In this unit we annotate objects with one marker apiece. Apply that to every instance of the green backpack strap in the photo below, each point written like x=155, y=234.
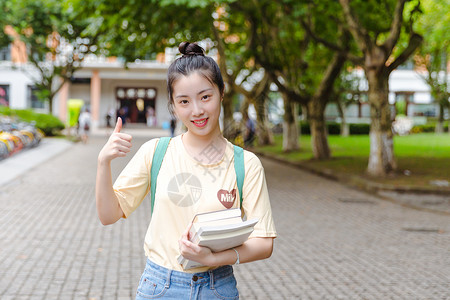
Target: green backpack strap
x=239, y=168
x=158, y=157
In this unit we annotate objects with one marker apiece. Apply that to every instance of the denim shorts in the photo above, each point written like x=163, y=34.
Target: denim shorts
x=158, y=282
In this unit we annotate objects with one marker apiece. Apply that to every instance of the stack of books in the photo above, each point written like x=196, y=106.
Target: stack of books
x=218, y=230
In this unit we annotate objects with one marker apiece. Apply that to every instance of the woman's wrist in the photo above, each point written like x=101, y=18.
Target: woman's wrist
x=102, y=161
x=226, y=257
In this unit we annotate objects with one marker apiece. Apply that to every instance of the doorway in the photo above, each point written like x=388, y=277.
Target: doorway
x=136, y=104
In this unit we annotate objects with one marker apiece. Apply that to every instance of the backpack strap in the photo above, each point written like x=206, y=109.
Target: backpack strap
x=158, y=157
x=239, y=168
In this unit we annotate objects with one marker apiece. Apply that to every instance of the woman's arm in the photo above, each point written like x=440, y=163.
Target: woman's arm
x=108, y=207
x=253, y=249
x=118, y=145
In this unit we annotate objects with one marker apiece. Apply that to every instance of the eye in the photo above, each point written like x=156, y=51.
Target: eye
x=206, y=97
x=183, y=101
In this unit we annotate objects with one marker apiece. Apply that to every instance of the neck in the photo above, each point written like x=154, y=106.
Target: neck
x=197, y=146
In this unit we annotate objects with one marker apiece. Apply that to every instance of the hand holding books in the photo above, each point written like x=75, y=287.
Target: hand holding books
x=215, y=231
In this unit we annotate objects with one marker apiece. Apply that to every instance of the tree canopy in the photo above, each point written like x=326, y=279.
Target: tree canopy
x=57, y=38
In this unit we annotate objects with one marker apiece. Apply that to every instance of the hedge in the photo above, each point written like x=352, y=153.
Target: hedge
x=355, y=129
x=335, y=128
x=427, y=128
x=49, y=124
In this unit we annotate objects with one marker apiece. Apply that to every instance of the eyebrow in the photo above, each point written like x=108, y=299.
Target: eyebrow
x=201, y=92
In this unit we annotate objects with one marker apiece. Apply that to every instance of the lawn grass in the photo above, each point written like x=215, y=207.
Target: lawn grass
x=421, y=158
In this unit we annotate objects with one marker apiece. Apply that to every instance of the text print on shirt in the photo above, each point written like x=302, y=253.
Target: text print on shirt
x=210, y=155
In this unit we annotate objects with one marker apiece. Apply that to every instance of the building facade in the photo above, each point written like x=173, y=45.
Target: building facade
x=103, y=85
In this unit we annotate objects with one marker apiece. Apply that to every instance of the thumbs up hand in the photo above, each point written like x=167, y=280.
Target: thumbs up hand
x=118, y=145
x=118, y=127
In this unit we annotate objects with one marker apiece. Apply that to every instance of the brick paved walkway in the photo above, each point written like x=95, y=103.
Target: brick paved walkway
x=334, y=242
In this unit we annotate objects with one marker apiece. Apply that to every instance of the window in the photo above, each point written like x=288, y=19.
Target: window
x=4, y=95
x=33, y=99
x=5, y=53
x=427, y=110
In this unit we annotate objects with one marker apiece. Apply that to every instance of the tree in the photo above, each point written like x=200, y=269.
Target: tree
x=279, y=46
x=5, y=39
x=258, y=95
x=56, y=38
x=303, y=70
x=434, y=53
x=346, y=92
x=376, y=28
x=142, y=29
x=318, y=18
x=233, y=48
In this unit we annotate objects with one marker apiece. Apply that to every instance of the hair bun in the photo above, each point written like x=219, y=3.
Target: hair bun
x=189, y=49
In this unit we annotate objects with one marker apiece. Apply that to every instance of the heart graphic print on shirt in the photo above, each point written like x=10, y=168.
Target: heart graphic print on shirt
x=227, y=198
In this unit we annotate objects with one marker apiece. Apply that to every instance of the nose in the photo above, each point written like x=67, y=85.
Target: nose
x=197, y=108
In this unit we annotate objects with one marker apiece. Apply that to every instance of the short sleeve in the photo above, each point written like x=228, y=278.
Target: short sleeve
x=256, y=203
x=133, y=183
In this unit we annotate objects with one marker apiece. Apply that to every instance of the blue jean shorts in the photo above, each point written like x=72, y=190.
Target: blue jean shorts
x=158, y=282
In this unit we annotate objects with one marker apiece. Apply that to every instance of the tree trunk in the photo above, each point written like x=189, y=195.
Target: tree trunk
x=290, y=125
x=50, y=106
x=381, y=159
x=345, y=128
x=228, y=121
x=319, y=141
x=440, y=124
x=263, y=132
x=316, y=107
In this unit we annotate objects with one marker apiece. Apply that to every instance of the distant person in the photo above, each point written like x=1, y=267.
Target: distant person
x=84, y=121
x=123, y=114
x=150, y=116
x=197, y=170
x=249, y=132
x=110, y=117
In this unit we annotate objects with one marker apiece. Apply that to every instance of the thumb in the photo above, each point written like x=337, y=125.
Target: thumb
x=118, y=125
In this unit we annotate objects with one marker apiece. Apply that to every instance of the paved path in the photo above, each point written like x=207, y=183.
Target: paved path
x=27, y=159
x=334, y=242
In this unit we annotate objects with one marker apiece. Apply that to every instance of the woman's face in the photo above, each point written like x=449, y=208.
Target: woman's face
x=197, y=104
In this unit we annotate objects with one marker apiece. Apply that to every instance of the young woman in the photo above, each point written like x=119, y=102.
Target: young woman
x=196, y=172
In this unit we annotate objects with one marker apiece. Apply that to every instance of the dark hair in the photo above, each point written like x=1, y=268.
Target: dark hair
x=193, y=59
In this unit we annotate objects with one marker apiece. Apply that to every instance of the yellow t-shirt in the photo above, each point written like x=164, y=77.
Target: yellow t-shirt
x=186, y=187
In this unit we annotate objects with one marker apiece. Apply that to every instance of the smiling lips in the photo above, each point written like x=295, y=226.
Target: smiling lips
x=201, y=122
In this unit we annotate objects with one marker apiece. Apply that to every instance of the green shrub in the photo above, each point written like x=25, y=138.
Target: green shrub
x=423, y=128
x=49, y=124
x=304, y=128
x=359, y=128
x=5, y=111
x=429, y=127
x=362, y=128
x=335, y=128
